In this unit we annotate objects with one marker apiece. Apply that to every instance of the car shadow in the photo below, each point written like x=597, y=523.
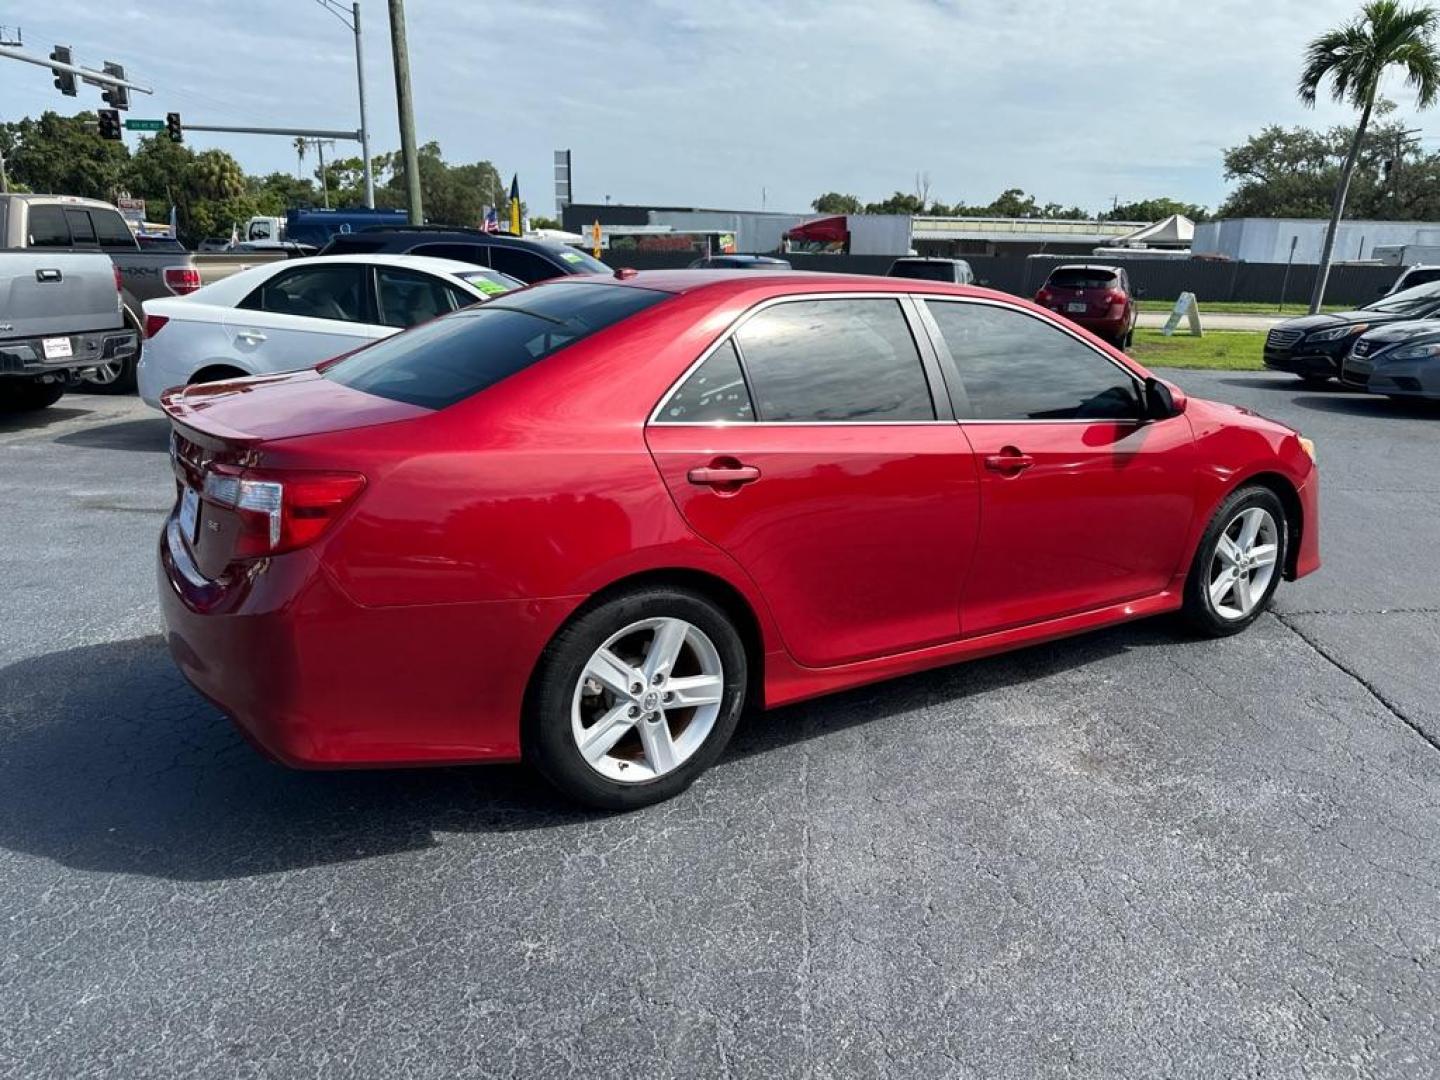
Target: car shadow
x=149, y=435
x=39, y=419
x=1372, y=406
x=110, y=762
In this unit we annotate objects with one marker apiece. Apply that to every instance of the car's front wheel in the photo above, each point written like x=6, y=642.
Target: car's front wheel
x=1239, y=563
x=635, y=698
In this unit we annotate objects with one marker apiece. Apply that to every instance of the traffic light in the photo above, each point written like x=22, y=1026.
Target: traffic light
x=109, y=124
x=64, y=80
x=173, y=128
x=117, y=97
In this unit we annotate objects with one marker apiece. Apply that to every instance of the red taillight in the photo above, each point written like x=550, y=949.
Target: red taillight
x=1044, y=296
x=182, y=280
x=1115, y=296
x=154, y=324
x=119, y=282
x=280, y=510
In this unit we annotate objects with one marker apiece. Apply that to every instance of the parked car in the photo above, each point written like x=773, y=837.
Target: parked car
x=583, y=525
x=1099, y=298
x=66, y=223
x=294, y=314
x=1401, y=360
x=740, y=262
x=526, y=260
x=955, y=271
x=1412, y=276
x=213, y=244
x=60, y=316
x=1313, y=346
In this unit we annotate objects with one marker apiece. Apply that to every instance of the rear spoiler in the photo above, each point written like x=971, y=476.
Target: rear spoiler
x=185, y=406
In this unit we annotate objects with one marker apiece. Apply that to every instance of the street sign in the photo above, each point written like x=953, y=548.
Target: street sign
x=144, y=125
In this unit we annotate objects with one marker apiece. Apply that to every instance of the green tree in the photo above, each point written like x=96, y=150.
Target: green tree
x=64, y=155
x=1156, y=210
x=279, y=191
x=899, y=203
x=453, y=194
x=832, y=202
x=1353, y=58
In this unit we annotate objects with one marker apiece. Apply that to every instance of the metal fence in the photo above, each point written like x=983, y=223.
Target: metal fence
x=1158, y=279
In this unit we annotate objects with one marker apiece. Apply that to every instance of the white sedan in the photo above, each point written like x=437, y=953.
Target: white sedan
x=296, y=313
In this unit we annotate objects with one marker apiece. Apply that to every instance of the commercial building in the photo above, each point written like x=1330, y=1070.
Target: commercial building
x=1271, y=240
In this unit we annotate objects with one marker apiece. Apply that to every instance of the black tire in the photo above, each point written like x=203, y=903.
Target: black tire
x=1199, y=610
x=18, y=396
x=547, y=740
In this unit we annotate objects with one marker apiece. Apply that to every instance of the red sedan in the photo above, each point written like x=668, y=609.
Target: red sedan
x=586, y=524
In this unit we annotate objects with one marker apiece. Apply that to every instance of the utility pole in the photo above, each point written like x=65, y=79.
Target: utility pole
x=352, y=23
x=1405, y=140
x=406, y=109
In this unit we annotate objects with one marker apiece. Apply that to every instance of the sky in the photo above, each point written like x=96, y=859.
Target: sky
x=731, y=103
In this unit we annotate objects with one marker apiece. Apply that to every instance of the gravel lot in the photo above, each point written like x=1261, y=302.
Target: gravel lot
x=1126, y=854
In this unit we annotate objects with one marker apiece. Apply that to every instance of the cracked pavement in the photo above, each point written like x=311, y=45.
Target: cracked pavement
x=1124, y=854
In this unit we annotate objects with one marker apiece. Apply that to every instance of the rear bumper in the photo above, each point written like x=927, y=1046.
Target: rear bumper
x=1101, y=326
x=315, y=680
x=26, y=356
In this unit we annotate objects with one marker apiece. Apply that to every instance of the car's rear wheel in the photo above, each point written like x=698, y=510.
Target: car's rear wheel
x=1239, y=563
x=635, y=698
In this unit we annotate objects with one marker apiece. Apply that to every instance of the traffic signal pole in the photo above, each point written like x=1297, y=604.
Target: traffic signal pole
x=97, y=78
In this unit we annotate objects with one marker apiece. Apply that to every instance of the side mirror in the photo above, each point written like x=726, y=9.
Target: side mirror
x=1162, y=401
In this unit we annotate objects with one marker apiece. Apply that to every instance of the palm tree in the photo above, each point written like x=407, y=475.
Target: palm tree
x=1353, y=58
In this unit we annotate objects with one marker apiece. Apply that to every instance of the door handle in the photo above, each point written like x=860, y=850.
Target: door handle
x=254, y=337
x=47, y=274
x=724, y=475
x=1009, y=461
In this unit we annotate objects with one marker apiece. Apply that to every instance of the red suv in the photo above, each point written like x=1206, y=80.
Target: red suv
x=1099, y=298
x=586, y=523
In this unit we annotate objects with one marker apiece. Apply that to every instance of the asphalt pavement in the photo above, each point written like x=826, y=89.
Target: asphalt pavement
x=1127, y=854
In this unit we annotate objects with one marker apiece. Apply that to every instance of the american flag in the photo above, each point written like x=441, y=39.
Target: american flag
x=491, y=223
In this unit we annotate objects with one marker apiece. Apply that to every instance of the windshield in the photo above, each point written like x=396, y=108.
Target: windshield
x=447, y=359
x=1420, y=298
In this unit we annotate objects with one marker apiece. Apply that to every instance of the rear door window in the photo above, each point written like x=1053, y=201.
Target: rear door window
x=48, y=227
x=314, y=292
x=112, y=232
x=525, y=265
x=479, y=254
x=449, y=359
x=715, y=392
x=825, y=361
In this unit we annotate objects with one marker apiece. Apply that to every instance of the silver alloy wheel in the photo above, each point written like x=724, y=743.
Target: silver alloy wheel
x=647, y=700
x=1244, y=563
x=105, y=374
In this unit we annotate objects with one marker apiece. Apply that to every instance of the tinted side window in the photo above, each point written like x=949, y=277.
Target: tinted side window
x=715, y=391
x=1017, y=367
x=111, y=230
x=825, y=360
x=525, y=265
x=48, y=227
x=408, y=297
x=471, y=253
x=316, y=292
x=81, y=231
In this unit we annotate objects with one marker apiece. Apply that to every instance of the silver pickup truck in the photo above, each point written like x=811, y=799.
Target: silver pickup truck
x=60, y=317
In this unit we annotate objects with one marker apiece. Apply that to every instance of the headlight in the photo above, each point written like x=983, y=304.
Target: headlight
x=1424, y=351
x=1339, y=332
x=1308, y=445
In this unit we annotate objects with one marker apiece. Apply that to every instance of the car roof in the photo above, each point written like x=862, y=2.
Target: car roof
x=781, y=281
x=927, y=258
x=1087, y=266
x=380, y=258
x=429, y=234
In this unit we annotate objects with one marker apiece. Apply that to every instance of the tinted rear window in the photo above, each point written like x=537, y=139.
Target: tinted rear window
x=924, y=271
x=1084, y=279
x=444, y=361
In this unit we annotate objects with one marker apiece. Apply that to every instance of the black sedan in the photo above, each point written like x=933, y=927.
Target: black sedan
x=1401, y=360
x=1314, y=346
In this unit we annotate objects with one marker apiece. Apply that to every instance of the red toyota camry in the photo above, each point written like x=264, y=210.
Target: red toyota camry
x=586, y=523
